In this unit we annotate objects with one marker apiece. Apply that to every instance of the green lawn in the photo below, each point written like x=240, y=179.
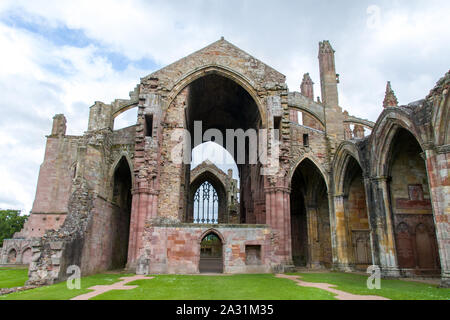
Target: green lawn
x=392, y=289
x=59, y=291
x=232, y=287
x=13, y=277
x=228, y=287
x=178, y=287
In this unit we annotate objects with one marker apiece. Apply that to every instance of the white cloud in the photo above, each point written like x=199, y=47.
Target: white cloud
x=39, y=78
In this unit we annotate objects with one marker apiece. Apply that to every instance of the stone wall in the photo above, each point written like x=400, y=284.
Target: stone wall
x=176, y=248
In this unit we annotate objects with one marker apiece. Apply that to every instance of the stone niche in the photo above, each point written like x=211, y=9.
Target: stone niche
x=252, y=254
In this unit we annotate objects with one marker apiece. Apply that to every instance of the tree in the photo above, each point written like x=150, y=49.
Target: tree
x=10, y=222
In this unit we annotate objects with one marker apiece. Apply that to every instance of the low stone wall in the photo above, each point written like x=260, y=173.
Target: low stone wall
x=16, y=252
x=176, y=249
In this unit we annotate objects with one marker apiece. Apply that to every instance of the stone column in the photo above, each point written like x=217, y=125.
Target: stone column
x=342, y=241
x=438, y=170
x=143, y=208
x=384, y=228
x=371, y=215
x=278, y=218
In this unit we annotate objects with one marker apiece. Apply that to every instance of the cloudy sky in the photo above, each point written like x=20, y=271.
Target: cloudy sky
x=61, y=56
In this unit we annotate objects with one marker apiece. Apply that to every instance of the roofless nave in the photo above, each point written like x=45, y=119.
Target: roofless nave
x=340, y=198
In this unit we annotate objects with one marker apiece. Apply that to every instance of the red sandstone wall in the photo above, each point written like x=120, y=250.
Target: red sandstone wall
x=55, y=176
x=100, y=249
x=177, y=250
x=37, y=224
x=311, y=122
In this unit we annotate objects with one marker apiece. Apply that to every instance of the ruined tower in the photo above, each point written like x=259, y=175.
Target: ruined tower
x=306, y=87
x=328, y=84
x=390, y=100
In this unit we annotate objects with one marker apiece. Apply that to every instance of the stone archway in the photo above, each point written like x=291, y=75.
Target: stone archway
x=211, y=254
x=26, y=255
x=356, y=216
x=222, y=185
x=120, y=218
x=12, y=256
x=412, y=215
x=221, y=105
x=310, y=224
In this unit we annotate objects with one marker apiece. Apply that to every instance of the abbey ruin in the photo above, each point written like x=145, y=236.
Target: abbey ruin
x=346, y=193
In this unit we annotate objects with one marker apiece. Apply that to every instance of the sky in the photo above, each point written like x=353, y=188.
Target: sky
x=61, y=56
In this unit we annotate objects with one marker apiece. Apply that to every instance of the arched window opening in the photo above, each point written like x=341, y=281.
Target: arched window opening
x=126, y=119
x=206, y=204
x=12, y=256
x=217, y=201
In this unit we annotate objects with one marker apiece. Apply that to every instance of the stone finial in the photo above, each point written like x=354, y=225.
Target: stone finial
x=390, y=100
x=347, y=132
x=325, y=47
x=306, y=87
x=59, y=125
x=358, y=131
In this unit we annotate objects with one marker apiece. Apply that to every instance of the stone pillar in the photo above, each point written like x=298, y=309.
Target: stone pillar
x=293, y=115
x=371, y=215
x=278, y=218
x=334, y=117
x=384, y=228
x=143, y=209
x=306, y=87
x=358, y=131
x=59, y=125
x=438, y=170
x=348, y=135
x=342, y=241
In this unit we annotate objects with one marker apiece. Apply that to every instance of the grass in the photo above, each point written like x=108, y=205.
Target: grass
x=232, y=287
x=229, y=287
x=11, y=277
x=183, y=287
x=59, y=291
x=392, y=289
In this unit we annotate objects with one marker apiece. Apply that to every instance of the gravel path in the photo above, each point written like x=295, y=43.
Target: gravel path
x=121, y=285
x=341, y=295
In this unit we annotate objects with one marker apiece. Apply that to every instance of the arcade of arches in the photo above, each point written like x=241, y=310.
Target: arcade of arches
x=317, y=196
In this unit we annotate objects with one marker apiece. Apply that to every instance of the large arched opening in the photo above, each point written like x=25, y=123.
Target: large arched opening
x=414, y=229
x=120, y=220
x=310, y=222
x=220, y=110
x=356, y=215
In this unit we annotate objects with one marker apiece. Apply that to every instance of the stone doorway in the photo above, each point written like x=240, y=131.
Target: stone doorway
x=120, y=221
x=211, y=257
x=310, y=224
x=414, y=229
